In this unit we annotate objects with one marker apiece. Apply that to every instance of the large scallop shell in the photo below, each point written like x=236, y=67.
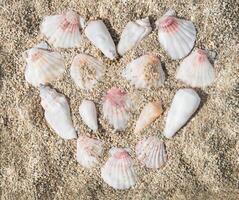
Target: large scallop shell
x=63, y=30
x=177, y=36
x=57, y=112
x=151, y=152
x=43, y=65
x=118, y=170
x=132, y=34
x=196, y=70
x=86, y=71
x=145, y=72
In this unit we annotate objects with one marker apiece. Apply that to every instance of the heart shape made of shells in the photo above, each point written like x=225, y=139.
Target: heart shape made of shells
x=176, y=36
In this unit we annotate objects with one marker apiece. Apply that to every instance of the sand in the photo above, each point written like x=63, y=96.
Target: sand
x=37, y=164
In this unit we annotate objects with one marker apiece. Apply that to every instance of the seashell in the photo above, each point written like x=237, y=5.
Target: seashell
x=196, y=70
x=99, y=36
x=88, y=114
x=177, y=36
x=88, y=151
x=151, y=152
x=63, y=30
x=185, y=103
x=57, y=112
x=132, y=34
x=145, y=72
x=86, y=71
x=116, y=105
x=118, y=171
x=43, y=66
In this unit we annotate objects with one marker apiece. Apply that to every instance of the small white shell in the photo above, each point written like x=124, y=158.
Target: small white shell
x=132, y=34
x=57, y=112
x=185, y=103
x=118, y=170
x=99, y=36
x=86, y=71
x=88, y=114
x=196, y=70
x=145, y=72
x=151, y=152
x=43, y=65
x=88, y=151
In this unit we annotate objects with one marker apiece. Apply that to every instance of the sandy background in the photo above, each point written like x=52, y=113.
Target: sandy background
x=37, y=164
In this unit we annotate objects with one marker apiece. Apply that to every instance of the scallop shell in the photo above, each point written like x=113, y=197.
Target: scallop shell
x=118, y=171
x=43, y=66
x=150, y=112
x=63, y=30
x=88, y=151
x=145, y=72
x=177, y=36
x=196, y=70
x=116, y=105
x=151, y=152
x=185, y=103
x=86, y=71
x=99, y=36
x=132, y=34
x=57, y=112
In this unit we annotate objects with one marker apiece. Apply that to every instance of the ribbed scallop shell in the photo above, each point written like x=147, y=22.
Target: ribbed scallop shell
x=145, y=72
x=151, y=152
x=118, y=171
x=86, y=71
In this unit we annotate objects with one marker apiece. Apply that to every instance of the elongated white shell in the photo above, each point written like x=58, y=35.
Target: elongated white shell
x=88, y=151
x=196, y=70
x=185, y=103
x=99, y=36
x=86, y=71
x=43, y=65
x=132, y=34
x=118, y=170
x=151, y=152
x=88, y=114
x=177, y=36
x=63, y=30
x=57, y=112
x=145, y=72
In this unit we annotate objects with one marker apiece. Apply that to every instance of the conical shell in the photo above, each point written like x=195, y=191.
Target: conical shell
x=185, y=103
x=132, y=34
x=86, y=71
x=88, y=151
x=43, y=65
x=196, y=70
x=151, y=152
x=99, y=36
x=57, y=112
x=145, y=72
x=88, y=114
x=150, y=112
x=176, y=36
x=118, y=170
x=63, y=30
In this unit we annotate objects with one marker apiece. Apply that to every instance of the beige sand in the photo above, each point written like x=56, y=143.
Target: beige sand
x=37, y=164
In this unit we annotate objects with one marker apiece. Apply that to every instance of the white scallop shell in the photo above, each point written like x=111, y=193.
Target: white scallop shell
x=86, y=71
x=145, y=72
x=57, y=112
x=118, y=170
x=88, y=151
x=43, y=66
x=99, y=36
x=184, y=104
x=132, y=34
x=196, y=70
x=151, y=152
